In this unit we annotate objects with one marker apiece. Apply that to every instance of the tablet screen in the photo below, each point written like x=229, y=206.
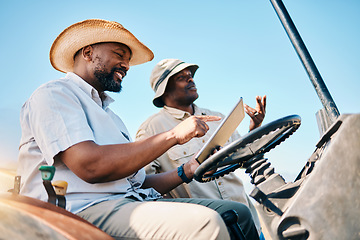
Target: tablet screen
x=223, y=132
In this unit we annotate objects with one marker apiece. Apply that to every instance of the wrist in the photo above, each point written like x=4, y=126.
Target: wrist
x=183, y=174
x=171, y=137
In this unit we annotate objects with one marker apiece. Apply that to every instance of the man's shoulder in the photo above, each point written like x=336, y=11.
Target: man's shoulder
x=52, y=90
x=156, y=123
x=52, y=85
x=154, y=118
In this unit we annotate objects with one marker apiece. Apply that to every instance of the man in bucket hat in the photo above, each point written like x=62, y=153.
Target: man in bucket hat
x=175, y=93
x=67, y=123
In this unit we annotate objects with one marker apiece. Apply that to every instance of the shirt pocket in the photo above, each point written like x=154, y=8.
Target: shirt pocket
x=183, y=153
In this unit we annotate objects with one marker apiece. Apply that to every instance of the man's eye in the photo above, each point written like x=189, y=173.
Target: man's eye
x=120, y=55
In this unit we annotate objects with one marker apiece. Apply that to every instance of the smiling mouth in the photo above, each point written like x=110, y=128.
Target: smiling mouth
x=120, y=75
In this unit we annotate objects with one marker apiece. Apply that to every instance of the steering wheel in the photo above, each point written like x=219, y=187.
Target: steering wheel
x=258, y=141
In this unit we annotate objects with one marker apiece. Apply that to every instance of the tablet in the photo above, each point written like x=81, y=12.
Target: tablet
x=223, y=132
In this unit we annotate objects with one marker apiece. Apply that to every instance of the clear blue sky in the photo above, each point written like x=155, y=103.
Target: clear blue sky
x=240, y=46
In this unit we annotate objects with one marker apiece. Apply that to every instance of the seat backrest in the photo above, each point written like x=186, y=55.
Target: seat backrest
x=8, y=179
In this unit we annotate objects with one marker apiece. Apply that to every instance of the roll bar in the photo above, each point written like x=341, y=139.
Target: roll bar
x=304, y=55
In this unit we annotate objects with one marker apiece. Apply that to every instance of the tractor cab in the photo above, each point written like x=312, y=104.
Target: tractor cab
x=323, y=202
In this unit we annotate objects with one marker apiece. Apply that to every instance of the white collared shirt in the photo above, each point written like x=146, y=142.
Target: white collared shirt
x=62, y=113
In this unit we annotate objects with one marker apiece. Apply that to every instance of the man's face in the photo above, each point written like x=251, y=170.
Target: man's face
x=111, y=64
x=181, y=88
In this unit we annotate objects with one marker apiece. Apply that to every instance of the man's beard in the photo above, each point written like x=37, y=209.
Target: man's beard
x=107, y=81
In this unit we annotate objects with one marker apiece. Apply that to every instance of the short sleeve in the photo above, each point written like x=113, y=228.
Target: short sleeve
x=57, y=120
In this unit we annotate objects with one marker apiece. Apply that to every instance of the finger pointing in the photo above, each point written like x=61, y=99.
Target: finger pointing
x=209, y=118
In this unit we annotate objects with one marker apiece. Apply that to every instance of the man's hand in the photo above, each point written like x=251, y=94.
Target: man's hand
x=257, y=115
x=194, y=126
x=191, y=166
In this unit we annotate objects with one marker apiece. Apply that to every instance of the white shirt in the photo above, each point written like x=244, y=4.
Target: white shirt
x=62, y=113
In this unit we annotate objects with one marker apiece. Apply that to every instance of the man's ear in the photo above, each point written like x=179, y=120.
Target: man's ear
x=164, y=97
x=87, y=52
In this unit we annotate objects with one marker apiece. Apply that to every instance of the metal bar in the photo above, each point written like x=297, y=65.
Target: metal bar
x=50, y=191
x=308, y=63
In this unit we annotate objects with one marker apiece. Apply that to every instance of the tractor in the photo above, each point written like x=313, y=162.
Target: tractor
x=323, y=202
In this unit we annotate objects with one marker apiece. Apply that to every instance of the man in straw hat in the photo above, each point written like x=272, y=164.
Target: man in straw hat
x=67, y=123
x=175, y=93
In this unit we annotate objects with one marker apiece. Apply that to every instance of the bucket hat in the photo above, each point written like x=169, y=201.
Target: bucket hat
x=161, y=73
x=92, y=31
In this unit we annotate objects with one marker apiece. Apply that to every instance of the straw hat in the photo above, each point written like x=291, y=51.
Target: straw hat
x=93, y=31
x=162, y=72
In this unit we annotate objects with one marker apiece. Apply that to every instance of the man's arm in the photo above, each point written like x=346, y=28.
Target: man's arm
x=146, y=131
x=165, y=182
x=103, y=163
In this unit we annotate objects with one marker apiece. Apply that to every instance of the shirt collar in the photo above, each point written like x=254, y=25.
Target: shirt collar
x=180, y=114
x=103, y=101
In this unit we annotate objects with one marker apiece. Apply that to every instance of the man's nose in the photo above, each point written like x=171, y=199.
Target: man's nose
x=125, y=65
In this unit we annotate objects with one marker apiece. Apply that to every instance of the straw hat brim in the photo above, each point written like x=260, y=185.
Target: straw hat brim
x=93, y=31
